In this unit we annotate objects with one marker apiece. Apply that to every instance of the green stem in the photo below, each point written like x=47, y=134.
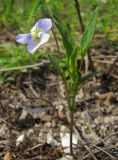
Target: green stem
x=71, y=110
x=62, y=75
x=71, y=132
x=81, y=63
x=70, y=100
x=77, y=6
x=57, y=44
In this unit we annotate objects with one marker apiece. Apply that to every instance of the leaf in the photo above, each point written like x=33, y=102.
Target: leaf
x=8, y=156
x=87, y=77
x=88, y=34
x=74, y=58
x=72, y=68
x=66, y=38
x=8, y=6
x=29, y=11
x=55, y=62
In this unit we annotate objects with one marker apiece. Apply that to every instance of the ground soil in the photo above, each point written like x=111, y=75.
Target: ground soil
x=33, y=105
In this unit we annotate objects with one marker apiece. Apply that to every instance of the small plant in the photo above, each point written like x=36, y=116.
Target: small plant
x=67, y=67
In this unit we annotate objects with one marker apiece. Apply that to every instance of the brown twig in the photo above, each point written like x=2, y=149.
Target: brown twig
x=24, y=67
x=111, y=156
x=87, y=156
x=43, y=99
x=35, y=147
x=80, y=137
x=104, y=61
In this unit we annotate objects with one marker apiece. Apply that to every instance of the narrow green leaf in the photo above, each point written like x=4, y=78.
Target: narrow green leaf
x=55, y=62
x=74, y=58
x=87, y=77
x=88, y=34
x=8, y=6
x=30, y=10
x=66, y=38
x=73, y=65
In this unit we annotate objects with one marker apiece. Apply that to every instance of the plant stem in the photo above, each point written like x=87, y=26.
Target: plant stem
x=88, y=57
x=77, y=6
x=70, y=100
x=57, y=44
x=71, y=132
x=62, y=75
x=71, y=109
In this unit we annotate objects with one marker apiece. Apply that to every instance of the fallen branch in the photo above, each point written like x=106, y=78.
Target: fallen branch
x=24, y=67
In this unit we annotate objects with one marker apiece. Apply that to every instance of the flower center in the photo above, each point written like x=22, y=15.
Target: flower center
x=36, y=33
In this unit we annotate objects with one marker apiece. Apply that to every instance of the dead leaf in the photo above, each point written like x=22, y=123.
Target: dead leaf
x=8, y=156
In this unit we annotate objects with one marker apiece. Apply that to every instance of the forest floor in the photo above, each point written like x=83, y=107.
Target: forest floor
x=33, y=113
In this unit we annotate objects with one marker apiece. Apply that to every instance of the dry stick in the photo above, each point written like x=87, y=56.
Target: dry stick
x=88, y=57
x=95, y=152
x=88, y=155
x=101, y=140
x=34, y=158
x=111, y=156
x=35, y=147
x=80, y=137
x=24, y=67
x=94, y=146
x=105, y=61
x=112, y=66
x=85, y=145
x=42, y=99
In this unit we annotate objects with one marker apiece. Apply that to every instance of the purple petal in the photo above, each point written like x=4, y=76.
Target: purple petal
x=23, y=38
x=33, y=45
x=43, y=24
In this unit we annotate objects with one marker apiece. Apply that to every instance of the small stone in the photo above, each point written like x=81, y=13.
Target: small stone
x=36, y=112
x=65, y=137
x=48, y=124
x=61, y=114
x=50, y=137
x=4, y=131
x=30, y=133
x=80, y=94
x=66, y=157
x=20, y=139
x=23, y=115
x=96, y=121
x=46, y=118
x=67, y=150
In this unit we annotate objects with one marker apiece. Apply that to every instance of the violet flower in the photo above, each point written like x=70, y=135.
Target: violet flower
x=38, y=35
